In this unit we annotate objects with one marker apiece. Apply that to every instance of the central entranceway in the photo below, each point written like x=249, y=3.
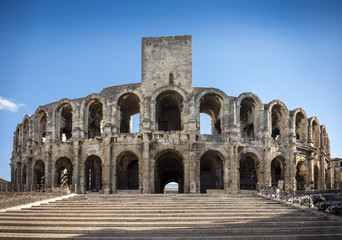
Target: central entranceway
x=169, y=168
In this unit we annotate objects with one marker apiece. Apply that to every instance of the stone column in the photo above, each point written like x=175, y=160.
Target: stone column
x=146, y=165
x=107, y=166
x=77, y=168
x=192, y=167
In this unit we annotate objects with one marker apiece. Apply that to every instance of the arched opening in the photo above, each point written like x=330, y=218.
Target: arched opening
x=278, y=122
x=24, y=175
x=315, y=134
x=95, y=119
x=63, y=172
x=65, y=122
x=316, y=177
x=39, y=173
x=211, y=171
x=169, y=168
x=211, y=104
x=301, y=127
x=205, y=121
x=248, y=117
x=324, y=137
x=168, y=111
x=248, y=173
x=171, y=188
x=127, y=171
x=26, y=130
x=93, y=173
x=301, y=176
x=277, y=170
x=42, y=128
x=17, y=141
x=129, y=105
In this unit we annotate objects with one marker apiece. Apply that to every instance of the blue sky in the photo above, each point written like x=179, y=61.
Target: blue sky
x=287, y=50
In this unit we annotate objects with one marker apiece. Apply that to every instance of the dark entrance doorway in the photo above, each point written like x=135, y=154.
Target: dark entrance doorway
x=93, y=173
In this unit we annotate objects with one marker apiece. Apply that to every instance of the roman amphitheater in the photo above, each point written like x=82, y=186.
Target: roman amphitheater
x=89, y=144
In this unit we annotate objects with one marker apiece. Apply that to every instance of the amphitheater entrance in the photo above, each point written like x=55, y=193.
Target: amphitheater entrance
x=127, y=171
x=248, y=174
x=211, y=171
x=301, y=176
x=39, y=173
x=63, y=172
x=93, y=173
x=169, y=168
x=277, y=170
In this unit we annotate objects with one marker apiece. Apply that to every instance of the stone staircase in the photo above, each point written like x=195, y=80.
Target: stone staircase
x=182, y=216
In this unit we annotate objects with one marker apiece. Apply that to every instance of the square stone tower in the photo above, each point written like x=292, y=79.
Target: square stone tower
x=166, y=60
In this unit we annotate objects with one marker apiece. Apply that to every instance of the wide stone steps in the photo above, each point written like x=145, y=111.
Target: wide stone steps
x=166, y=217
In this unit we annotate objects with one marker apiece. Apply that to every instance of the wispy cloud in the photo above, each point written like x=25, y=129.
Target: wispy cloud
x=6, y=104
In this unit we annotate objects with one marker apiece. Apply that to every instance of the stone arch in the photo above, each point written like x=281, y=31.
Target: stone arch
x=278, y=115
x=26, y=131
x=211, y=171
x=41, y=123
x=212, y=104
x=169, y=111
x=324, y=137
x=17, y=139
x=301, y=176
x=129, y=105
x=300, y=124
x=248, y=110
x=248, y=170
x=63, y=172
x=127, y=170
x=315, y=132
x=64, y=120
x=93, y=173
x=39, y=172
x=93, y=117
x=278, y=166
x=169, y=167
x=24, y=174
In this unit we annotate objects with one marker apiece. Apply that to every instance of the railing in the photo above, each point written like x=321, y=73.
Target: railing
x=324, y=200
x=34, y=188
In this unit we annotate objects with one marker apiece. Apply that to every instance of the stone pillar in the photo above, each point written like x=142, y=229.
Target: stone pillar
x=77, y=168
x=147, y=186
x=107, y=166
x=192, y=167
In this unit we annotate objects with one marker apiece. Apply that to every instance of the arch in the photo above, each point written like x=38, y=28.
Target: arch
x=211, y=171
x=64, y=121
x=129, y=105
x=300, y=125
x=212, y=105
x=248, y=115
x=169, y=167
x=127, y=170
x=324, y=137
x=39, y=172
x=169, y=108
x=17, y=139
x=278, y=166
x=26, y=131
x=248, y=171
x=278, y=116
x=315, y=132
x=301, y=176
x=94, y=118
x=93, y=173
x=63, y=172
x=24, y=174
x=41, y=126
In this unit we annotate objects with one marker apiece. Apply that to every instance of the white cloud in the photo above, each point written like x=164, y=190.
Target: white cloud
x=6, y=104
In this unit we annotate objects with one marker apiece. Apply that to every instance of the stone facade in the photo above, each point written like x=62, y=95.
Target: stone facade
x=88, y=142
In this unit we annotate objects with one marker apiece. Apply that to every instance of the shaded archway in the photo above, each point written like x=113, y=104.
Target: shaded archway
x=277, y=170
x=39, y=172
x=315, y=134
x=248, y=172
x=93, y=173
x=169, y=168
x=301, y=176
x=129, y=105
x=127, y=171
x=248, y=118
x=211, y=171
x=42, y=120
x=23, y=180
x=64, y=121
x=95, y=119
x=169, y=109
x=63, y=172
x=26, y=130
x=316, y=177
x=301, y=127
x=278, y=122
x=211, y=104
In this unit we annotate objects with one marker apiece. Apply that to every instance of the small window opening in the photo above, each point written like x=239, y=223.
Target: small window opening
x=135, y=123
x=171, y=78
x=205, y=123
x=171, y=188
x=276, y=133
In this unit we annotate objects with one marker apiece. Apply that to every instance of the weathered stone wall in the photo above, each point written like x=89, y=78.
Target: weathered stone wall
x=89, y=143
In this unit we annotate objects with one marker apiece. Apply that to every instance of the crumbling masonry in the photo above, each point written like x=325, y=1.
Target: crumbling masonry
x=88, y=142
